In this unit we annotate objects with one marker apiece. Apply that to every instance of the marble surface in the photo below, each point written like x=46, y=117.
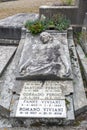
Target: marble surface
x=6, y=53
x=45, y=61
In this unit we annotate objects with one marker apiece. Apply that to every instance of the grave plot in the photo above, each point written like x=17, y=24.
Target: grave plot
x=31, y=90
x=38, y=98
x=43, y=98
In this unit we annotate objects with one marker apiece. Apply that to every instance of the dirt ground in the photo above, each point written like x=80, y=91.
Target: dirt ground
x=22, y=6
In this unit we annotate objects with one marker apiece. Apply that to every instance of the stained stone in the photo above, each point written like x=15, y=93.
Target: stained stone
x=85, y=20
x=18, y=20
x=41, y=97
x=80, y=101
x=83, y=39
x=6, y=53
x=83, y=60
x=37, y=101
x=4, y=122
x=59, y=87
x=49, y=91
x=45, y=61
x=8, y=42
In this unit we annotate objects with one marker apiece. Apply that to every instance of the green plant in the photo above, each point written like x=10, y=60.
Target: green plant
x=77, y=36
x=67, y=2
x=49, y=24
x=86, y=56
x=58, y=22
x=61, y=22
x=35, y=27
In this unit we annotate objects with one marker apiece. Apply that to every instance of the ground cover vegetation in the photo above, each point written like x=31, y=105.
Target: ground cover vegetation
x=57, y=22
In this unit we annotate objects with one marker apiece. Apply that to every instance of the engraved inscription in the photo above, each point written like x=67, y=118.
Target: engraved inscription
x=34, y=90
x=41, y=100
x=41, y=108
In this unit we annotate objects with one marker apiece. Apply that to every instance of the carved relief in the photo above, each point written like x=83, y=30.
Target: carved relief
x=49, y=59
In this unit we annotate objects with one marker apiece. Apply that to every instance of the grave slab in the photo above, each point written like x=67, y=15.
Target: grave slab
x=70, y=111
x=7, y=81
x=48, y=61
x=49, y=90
x=37, y=101
x=59, y=90
x=6, y=53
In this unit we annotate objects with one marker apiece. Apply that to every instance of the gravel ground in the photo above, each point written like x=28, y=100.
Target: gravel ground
x=23, y=6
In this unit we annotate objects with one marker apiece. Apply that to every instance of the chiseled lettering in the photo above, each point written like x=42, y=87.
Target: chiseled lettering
x=29, y=109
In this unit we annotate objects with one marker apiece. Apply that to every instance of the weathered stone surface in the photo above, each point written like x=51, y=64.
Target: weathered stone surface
x=11, y=33
x=6, y=85
x=85, y=19
x=7, y=82
x=83, y=60
x=10, y=28
x=41, y=109
x=9, y=42
x=41, y=101
x=70, y=107
x=65, y=87
x=79, y=96
x=49, y=128
x=83, y=39
x=4, y=122
x=6, y=53
x=17, y=20
x=46, y=37
x=45, y=61
x=67, y=11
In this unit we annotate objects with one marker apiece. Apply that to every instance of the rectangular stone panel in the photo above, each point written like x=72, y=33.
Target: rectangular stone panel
x=10, y=33
x=41, y=108
x=47, y=61
x=45, y=101
x=6, y=53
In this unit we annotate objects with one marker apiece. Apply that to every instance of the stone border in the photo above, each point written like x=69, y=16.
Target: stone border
x=75, y=13
x=67, y=11
x=83, y=60
x=11, y=33
x=80, y=100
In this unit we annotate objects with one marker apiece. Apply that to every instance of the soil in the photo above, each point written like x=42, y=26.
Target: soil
x=23, y=6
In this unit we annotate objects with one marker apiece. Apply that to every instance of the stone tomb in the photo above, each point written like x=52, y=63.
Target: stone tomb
x=47, y=63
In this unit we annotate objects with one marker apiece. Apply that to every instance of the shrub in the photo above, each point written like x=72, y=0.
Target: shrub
x=35, y=27
x=61, y=22
x=67, y=2
x=58, y=22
